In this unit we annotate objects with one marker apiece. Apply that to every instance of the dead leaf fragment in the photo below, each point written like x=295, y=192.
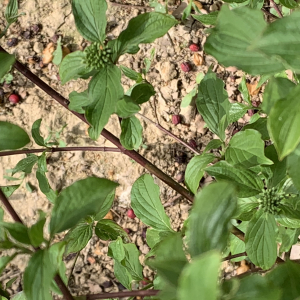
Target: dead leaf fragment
x=243, y=268
x=109, y=216
x=65, y=51
x=48, y=53
x=198, y=4
x=91, y=260
x=198, y=59
x=253, y=91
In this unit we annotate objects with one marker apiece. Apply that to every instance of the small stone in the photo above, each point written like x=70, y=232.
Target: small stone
x=167, y=71
x=38, y=47
x=26, y=34
x=193, y=143
x=35, y=28
x=176, y=119
x=12, y=42
x=179, y=177
x=107, y=284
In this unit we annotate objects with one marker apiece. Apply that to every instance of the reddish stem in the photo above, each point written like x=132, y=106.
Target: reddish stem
x=276, y=8
x=141, y=293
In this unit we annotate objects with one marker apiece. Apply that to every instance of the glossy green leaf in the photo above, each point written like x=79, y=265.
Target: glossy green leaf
x=287, y=221
x=195, y=170
x=18, y=231
x=209, y=220
x=19, y=296
x=236, y=246
x=199, y=279
x=25, y=165
x=6, y=62
x=132, y=133
x=276, y=89
x=38, y=276
x=245, y=208
x=286, y=277
x=106, y=206
x=4, y=261
x=9, y=190
x=169, y=259
x=122, y=275
x=257, y=287
x=109, y=230
x=11, y=12
x=213, y=144
x=82, y=198
x=105, y=90
x=289, y=3
x=187, y=99
x=246, y=181
x=231, y=43
x=78, y=101
x=256, y=4
x=293, y=170
x=90, y=18
x=142, y=92
x=146, y=204
x=289, y=237
x=131, y=74
x=35, y=131
x=213, y=104
x=237, y=111
x=246, y=150
x=260, y=239
x=284, y=123
x=145, y=28
x=127, y=107
x=36, y=233
x=78, y=237
x=154, y=236
x=12, y=136
x=73, y=67
x=261, y=126
x=209, y=19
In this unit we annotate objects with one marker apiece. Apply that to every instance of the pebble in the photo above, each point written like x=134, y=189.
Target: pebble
x=38, y=47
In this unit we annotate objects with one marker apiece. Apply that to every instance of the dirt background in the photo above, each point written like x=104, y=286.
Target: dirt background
x=42, y=22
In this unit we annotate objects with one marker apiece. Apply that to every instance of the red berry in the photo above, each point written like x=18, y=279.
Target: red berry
x=250, y=112
x=145, y=281
x=186, y=67
x=176, y=119
x=194, y=47
x=130, y=213
x=193, y=143
x=13, y=98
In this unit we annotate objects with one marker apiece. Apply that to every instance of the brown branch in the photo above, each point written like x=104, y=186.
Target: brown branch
x=276, y=8
x=130, y=6
x=17, y=219
x=140, y=293
x=59, y=149
x=234, y=256
x=169, y=133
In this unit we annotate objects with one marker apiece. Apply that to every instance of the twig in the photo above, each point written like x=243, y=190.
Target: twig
x=234, y=256
x=130, y=6
x=276, y=8
x=59, y=149
x=140, y=293
x=17, y=219
x=169, y=133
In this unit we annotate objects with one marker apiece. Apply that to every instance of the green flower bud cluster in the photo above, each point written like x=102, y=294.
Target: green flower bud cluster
x=269, y=201
x=97, y=56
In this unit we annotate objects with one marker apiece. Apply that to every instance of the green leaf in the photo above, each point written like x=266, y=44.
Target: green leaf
x=12, y=136
x=187, y=11
x=260, y=239
x=213, y=104
x=213, y=144
x=209, y=19
x=246, y=150
x=105, y=90
x=6, y=62
x=106, y=205
x=25, y=165
x=284, y=123
x=258, y=288
x=286, y=277
x=246, y=181
x=35, y=131
x=38, y=276
x=187, y=99
x=245, y=208
x=289, y=3
x=236, y=246
x=231, y=42
x=122, y=275
x=281, y=40
x=11, y=12
x=73, y=67
x=18, y=231
x=256, y=4
x=142, y=92
x=78, y=101
x=132, y=133
x=261, y=126
x=131, y=74
x=19, y=296
x=235, y=1
x=109, y=230
x=5, y=260
x=146, y=204
x=154, y=236
x=170, y=259
x=78, y=237
x=209, y=220
x=195, y=170
x=200, y=277
x=145, y=28
x=82, y=198
x=293, y=170
x=289, y=237
x=287, y=221
x=58, y=53
x=9, y=190
x=237, y=111
x=90, y=18
x=276, y=89
x=127, y=107
x=36, y=233
x=244, y=90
